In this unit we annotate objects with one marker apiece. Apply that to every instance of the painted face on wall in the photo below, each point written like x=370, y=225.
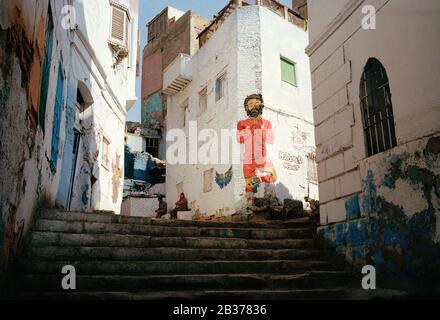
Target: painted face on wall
x=254, y=107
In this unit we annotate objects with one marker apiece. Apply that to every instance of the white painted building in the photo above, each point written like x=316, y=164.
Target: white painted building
x=378, y=154
x=67, y=96
x=243, y=55
x=104, y=65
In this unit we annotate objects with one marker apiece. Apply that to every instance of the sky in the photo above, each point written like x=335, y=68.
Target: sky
x=150, y=8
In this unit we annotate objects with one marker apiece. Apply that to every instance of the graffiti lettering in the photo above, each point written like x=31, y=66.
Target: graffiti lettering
x=291, y=162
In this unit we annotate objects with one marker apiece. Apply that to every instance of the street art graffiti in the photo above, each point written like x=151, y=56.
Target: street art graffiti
x=299, y=139
x=256, y=133
x=116, y=179
x=290, y=161
x=224, y=179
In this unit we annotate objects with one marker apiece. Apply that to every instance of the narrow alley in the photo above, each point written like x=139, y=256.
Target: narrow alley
x=230, y=150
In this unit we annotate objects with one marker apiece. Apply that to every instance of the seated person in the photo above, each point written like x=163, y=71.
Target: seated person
x=181, y=205
x=162, y=208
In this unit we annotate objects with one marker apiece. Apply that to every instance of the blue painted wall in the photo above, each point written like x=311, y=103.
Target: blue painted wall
x=152, y=110
x=56, y=123
x=380, y=233
x=138, y=166
x=67, y=161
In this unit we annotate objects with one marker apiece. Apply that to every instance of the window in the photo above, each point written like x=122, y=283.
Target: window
x=58, y=109
x=106, y=153
x=45, y=73
x=220, y=87
x=158, y=26
x=203, y=100
x=152, y=146
x=377, y=109
x=288, y=71
x=120, y=24
x=208, y=177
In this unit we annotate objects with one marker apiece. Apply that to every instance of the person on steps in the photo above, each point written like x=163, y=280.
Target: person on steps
x=162, y=210
x=181, y=205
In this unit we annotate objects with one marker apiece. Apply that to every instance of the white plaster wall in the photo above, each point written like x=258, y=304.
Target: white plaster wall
x=136, y=143
x=96, y=23
x=158, y=189
x=405, y=42
x=246, y=48
x=112, y=90
x=288, y=107
x=321, y=13
x=215, y=57
x=175, y=13
x=140, y=207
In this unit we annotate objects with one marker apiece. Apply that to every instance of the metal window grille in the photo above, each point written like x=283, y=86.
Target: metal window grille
x=377, y=109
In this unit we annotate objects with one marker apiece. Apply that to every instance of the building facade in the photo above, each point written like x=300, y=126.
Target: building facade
x=170, y=33
x=144, y=175
x=67, y=82
x=247, y=49
x=376, y=106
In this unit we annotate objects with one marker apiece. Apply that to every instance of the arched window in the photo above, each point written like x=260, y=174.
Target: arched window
x=377, y=108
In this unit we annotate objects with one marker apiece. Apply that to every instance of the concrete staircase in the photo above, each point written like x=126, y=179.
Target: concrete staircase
x=118, y=257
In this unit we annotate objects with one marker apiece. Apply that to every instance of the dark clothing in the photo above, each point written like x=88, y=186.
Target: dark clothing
x=162, y=209
x=181, y=205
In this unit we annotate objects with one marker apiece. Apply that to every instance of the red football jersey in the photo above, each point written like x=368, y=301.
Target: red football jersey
x=255, y=134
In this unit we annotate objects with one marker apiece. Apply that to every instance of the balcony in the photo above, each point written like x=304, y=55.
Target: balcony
x=177, y=75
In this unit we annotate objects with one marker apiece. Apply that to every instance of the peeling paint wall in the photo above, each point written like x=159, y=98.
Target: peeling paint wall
x=153, y=110
x=37, y=138
x=383, y=209
x=24, y=165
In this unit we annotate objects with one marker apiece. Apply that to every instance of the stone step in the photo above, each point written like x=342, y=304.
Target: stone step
x=174, y=267
x=118, y=240
x=112, y=218
x=309, y=280
x=298, y=294
x=161, y=231
x=52, y=253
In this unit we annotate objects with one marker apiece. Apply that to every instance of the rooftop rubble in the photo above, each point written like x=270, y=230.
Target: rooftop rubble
x=280, y=9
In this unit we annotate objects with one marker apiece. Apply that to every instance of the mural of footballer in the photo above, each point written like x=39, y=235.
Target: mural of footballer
x=256, y=133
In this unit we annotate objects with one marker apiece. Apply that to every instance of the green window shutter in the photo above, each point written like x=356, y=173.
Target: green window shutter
x=56, y=124
x=45, y=77
x=288, y=72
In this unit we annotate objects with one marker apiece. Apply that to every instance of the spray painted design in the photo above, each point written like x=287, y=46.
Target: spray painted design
x=223, y=180
x=256, y=133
